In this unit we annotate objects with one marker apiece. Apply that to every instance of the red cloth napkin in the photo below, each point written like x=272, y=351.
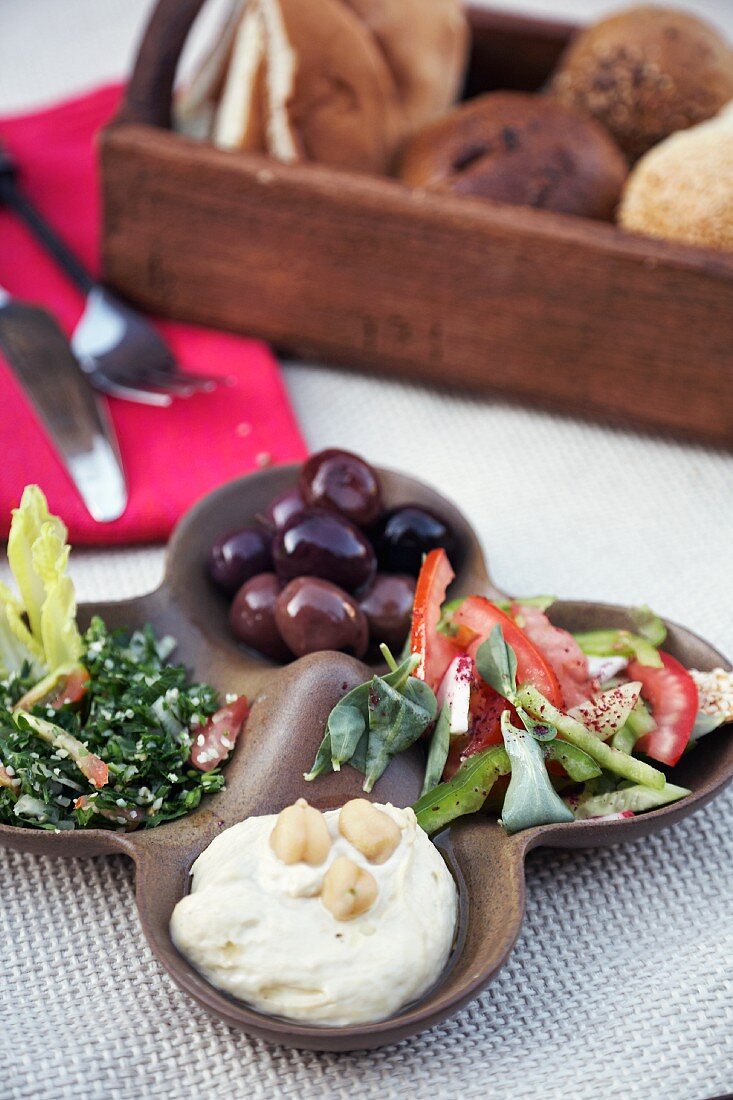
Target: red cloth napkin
x=171, y=456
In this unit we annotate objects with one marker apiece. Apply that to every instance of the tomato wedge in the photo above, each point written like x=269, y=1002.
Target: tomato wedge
x=57, y=690
x=71, y=689
x=481, y=615
x=434, y=649
x=560, y=650
x=487, y=707
x=216, y=739
x=672, y=695
x=94, y=768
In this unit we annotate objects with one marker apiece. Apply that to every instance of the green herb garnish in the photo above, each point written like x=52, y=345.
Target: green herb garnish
x=438, y=752
x=497, y=664
x=375, y=721
x=530, y=798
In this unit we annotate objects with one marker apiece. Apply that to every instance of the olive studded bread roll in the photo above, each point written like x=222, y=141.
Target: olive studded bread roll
x=339, y=82
x=682, y=190
x=522, y=149
x=645, y=73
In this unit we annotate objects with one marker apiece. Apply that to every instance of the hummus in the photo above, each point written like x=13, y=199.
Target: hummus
x=258, y=928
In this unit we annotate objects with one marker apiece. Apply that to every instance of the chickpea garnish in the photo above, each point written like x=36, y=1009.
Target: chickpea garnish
x=301, y=835
x=348, y=890
x=371, y=831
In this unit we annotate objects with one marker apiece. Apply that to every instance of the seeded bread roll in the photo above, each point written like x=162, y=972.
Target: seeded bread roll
x=682, y=190
x=645, y=73
x=340, y=82
x=520, y=149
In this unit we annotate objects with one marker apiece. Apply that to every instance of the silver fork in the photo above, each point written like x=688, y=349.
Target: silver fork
x=118, y=349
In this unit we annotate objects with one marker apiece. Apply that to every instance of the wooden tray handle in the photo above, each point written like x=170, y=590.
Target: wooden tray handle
x=150, y=90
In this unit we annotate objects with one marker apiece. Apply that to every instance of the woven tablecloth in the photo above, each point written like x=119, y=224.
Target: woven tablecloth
x=621, y=983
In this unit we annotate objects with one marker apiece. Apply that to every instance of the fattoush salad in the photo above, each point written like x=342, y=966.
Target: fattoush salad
x=521, y=716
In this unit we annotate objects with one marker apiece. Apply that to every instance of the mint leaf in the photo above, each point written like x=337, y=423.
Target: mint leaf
x=530, y=798
x=323, y=761
x=358, y=760
x=422, y=695
x=346, y=724
x=497, y=664
x=395, y=723
x=438, y=752
x=349, y=738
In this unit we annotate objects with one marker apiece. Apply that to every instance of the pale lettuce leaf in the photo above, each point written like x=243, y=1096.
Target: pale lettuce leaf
x=60, y=636
x=39, y=627
x=17, y=644
x=27, y=521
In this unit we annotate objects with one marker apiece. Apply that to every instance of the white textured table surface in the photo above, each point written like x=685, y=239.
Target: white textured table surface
x=621, y=984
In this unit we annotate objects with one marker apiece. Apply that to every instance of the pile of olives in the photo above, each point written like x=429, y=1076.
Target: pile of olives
x=326, y=567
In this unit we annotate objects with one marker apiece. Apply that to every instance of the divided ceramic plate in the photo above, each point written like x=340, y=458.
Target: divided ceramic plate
x=279, y=742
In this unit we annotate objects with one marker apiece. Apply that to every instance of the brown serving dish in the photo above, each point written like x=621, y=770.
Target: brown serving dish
x=285, y=727
x=364, y=272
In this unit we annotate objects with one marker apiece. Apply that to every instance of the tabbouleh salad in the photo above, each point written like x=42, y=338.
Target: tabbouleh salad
x=96, y=729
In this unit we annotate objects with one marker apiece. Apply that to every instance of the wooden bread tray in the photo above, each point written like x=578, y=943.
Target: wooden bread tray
x=364, y=272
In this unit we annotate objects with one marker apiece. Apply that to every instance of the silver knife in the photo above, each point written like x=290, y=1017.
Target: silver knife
x=76, y=418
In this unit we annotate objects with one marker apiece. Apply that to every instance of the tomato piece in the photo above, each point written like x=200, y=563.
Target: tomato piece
x=484, y=725
x=481, y=615
x=56, y=690
x=672, y=695
x=71, y=689
x=560, y=650
x=214, y=741
x=487, y=707
x=94, y=768
x=434, y=649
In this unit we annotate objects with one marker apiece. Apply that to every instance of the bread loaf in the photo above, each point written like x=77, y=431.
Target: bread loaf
x=340, y=82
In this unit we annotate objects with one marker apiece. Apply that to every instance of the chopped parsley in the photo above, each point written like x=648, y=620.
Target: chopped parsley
x=138, y=714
